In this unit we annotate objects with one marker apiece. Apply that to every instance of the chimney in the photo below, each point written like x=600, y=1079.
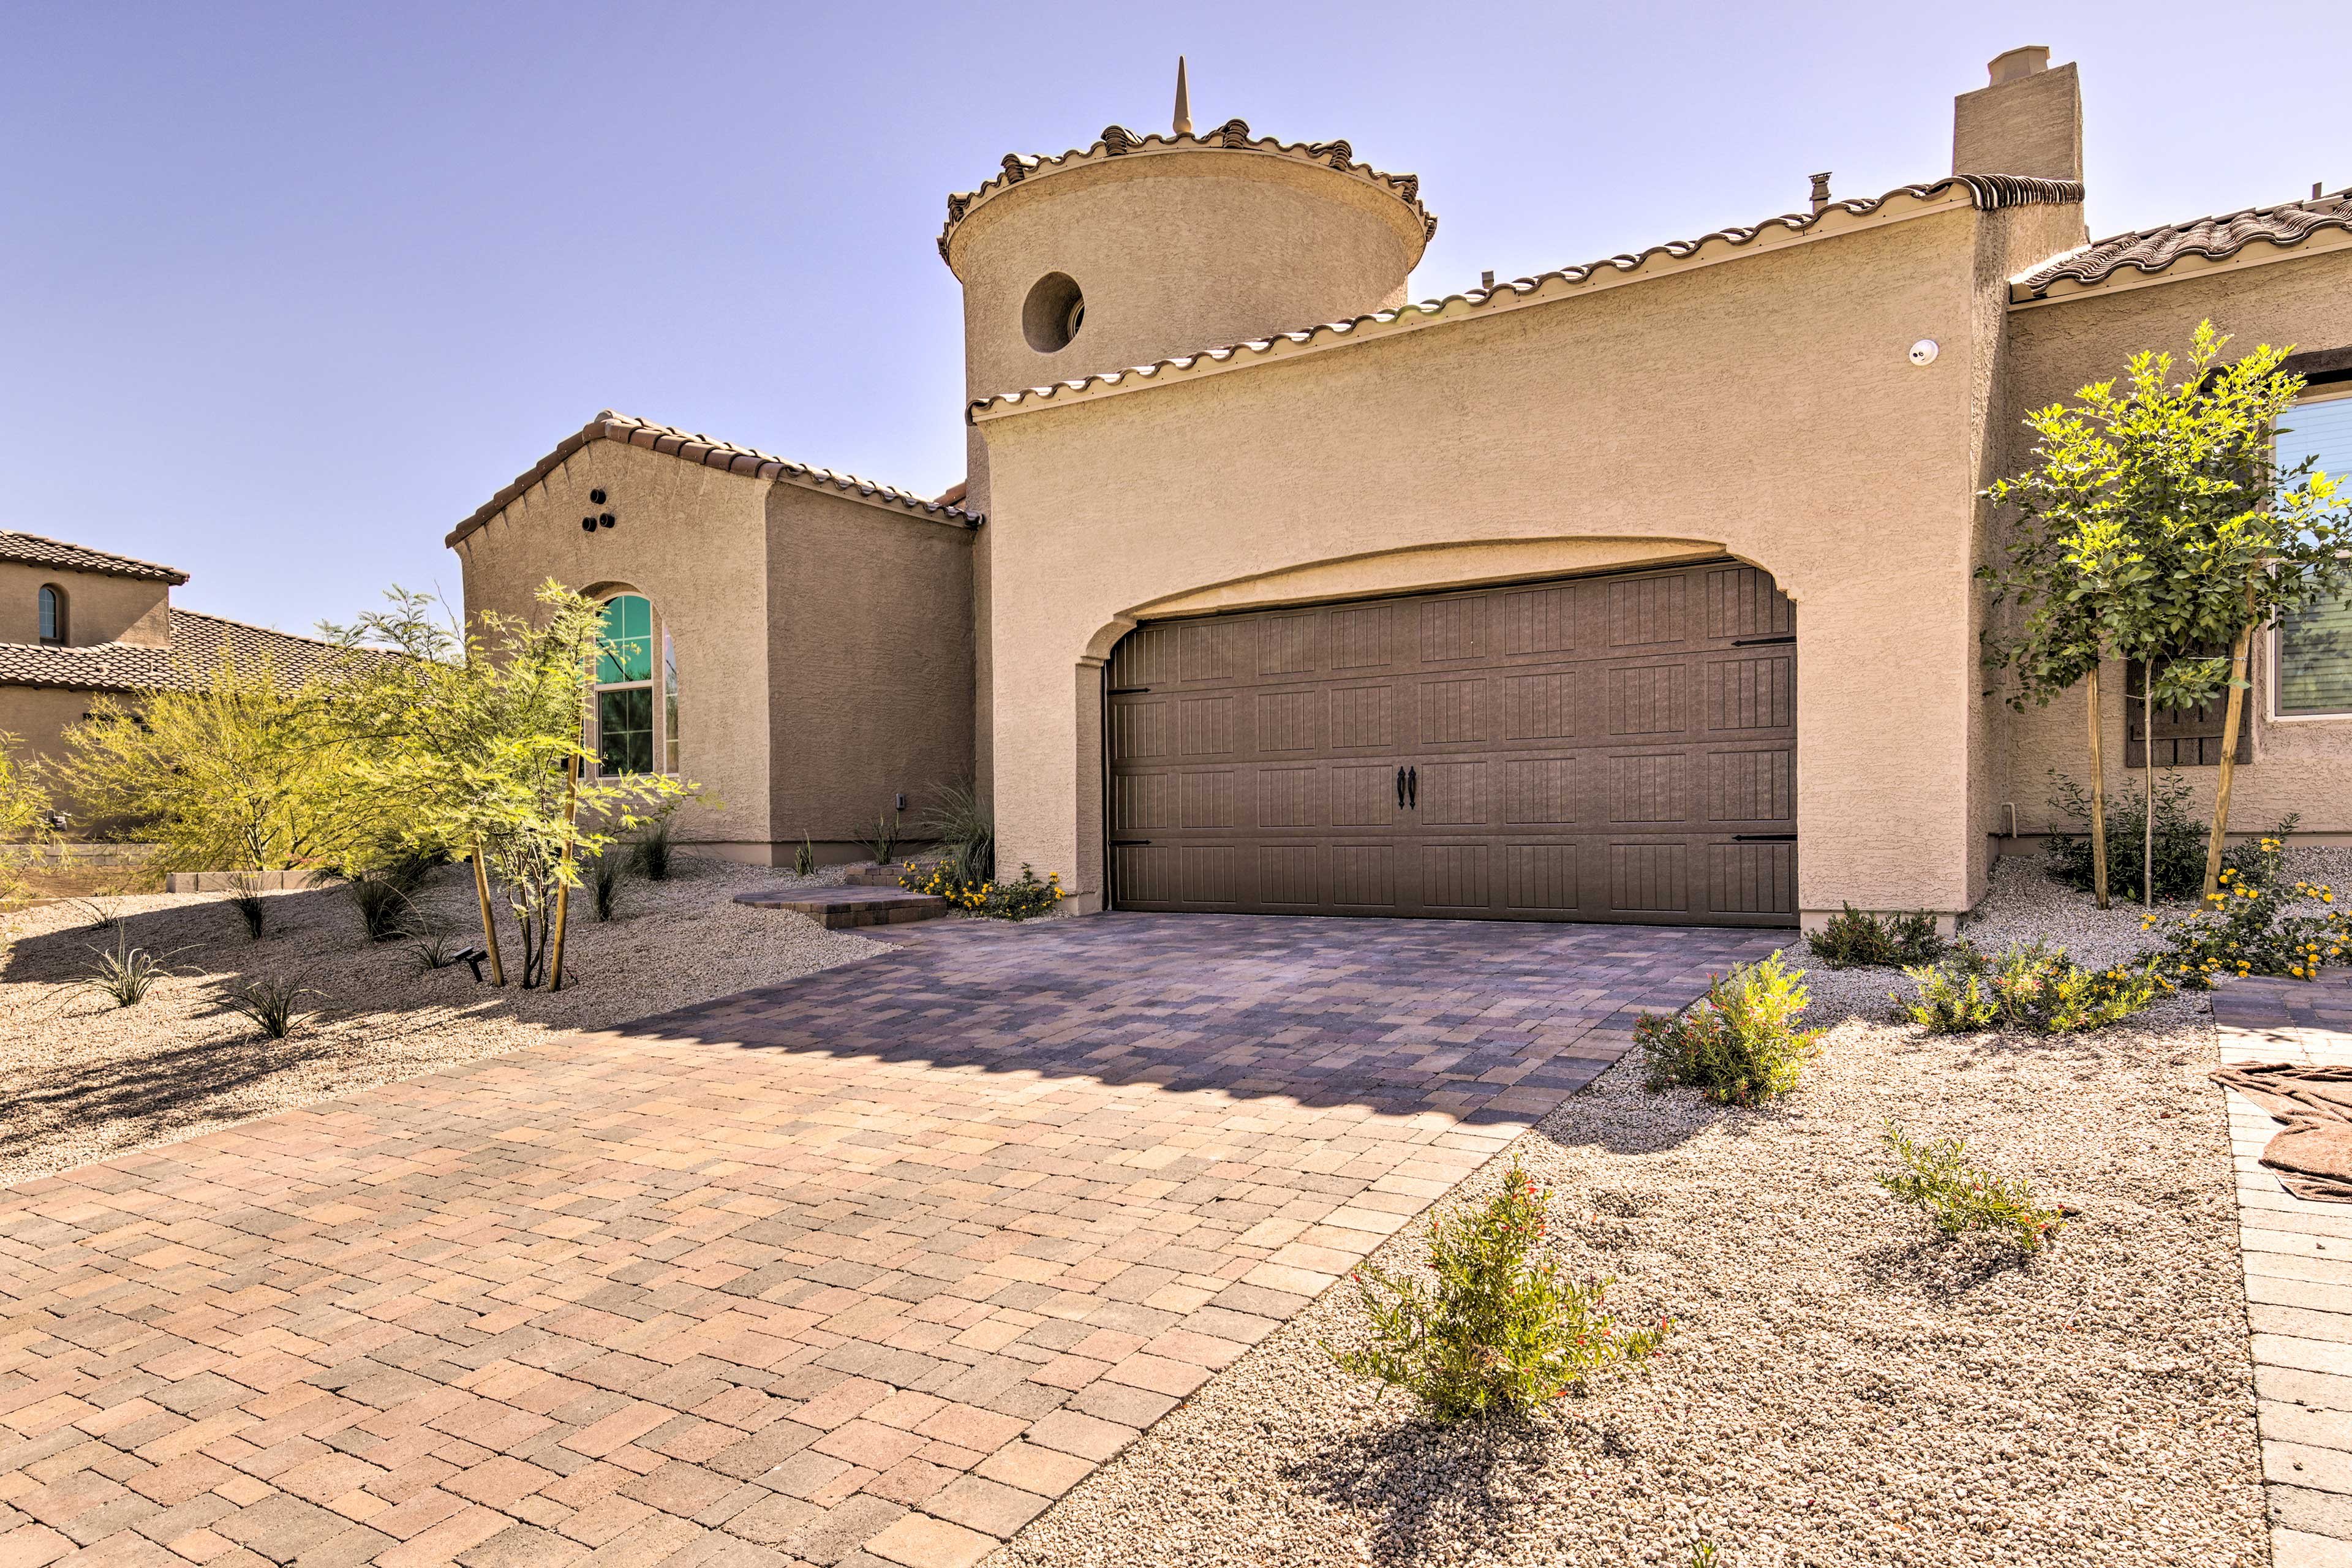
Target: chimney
x=2027, y=121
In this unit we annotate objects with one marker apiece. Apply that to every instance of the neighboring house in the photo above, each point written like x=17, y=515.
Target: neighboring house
x=77, y=623
x=1642, y=589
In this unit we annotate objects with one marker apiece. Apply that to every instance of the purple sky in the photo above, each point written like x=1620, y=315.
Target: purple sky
x=288, y=290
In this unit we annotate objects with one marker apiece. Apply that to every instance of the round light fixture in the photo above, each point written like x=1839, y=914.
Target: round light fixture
x=1923, y=352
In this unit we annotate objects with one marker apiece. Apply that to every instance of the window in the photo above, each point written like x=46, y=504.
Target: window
x=2313, y=648
x=53, y=616
x=625, y=687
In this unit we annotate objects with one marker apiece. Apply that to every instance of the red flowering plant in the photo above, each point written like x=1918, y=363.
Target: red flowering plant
x=1501, y=1329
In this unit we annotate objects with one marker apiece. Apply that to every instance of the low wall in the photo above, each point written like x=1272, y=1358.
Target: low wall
x=229, y=881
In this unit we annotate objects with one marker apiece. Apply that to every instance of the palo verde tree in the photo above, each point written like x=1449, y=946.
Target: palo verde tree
x=478, y=732
x=2154, y=524
x=239, y=768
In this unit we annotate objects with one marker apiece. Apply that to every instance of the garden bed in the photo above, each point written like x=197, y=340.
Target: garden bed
x=1845, y=1385
x=81, y=1080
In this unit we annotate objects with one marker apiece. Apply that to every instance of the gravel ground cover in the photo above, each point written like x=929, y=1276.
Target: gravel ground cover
x=1845, y=1386
x=81, y=1080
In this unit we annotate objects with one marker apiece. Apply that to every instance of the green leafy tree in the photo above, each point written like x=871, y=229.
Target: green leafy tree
x=26, y=829
x=477, y=736
x=2155, y=522
x=240, y=770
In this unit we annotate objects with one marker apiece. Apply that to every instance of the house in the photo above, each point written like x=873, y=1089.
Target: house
x=1640, y=590
x=77, y=624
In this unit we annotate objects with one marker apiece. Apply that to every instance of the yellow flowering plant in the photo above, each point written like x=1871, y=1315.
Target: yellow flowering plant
x=1022, y=898
x=2245, y=930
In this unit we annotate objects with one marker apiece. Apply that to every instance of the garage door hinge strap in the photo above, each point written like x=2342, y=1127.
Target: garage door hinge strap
x=1763, y=838
x=1753, y=642
x=1139, y=691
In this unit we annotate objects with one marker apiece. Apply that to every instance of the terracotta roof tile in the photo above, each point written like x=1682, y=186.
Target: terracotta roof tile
x=723, y=455
x=1986, y=193
x=34, y=550
x=2151, y=250
x=1233, y=135
x=198, y=641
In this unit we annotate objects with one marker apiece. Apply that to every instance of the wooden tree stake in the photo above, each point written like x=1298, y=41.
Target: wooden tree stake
x=2232, y=716
x=490, y=927
x=2098, y=795
x=563, y=881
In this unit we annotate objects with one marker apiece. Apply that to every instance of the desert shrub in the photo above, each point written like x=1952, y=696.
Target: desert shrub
x=604, y=883
x=273, y=1007
x=654, y=849
x=1500, y=1330
x=96, y=914
x=2256, y=862
x=1959, y=1197
x=2027, y=986
x=804, y=858
x=1022, y=898
x=386, y=914
x=2179, y=840
x=2244, y=929
x=125, y=974
x=882, y=844
x=434, y=948
x=1740, y=1043
x=245, y=898
x=1857, y=940
x=965, y=830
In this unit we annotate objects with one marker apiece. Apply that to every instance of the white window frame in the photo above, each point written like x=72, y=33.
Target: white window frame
x=659, y=683
x=2275, y=655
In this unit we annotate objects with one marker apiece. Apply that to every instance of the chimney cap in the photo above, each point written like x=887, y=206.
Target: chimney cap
x=2015, y=65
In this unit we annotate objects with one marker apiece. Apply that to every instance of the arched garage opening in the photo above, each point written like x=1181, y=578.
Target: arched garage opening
x=1617, y=747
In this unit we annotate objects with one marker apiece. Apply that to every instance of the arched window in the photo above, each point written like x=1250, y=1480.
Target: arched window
x=636, y=701
x=53, y=616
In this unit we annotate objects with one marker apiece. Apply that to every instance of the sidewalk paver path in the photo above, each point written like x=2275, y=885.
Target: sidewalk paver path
x=863, y=1268
x=2298, y=1258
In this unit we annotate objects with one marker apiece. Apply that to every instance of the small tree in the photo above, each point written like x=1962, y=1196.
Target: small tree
x=478, y=734
x=2156, y=522
x=25, y=826
x=239, y=770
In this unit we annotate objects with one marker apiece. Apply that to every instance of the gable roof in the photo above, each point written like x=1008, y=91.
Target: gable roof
x=1985, y=193
x=1233, y=136
x=710, y=453
x=36, y=549
x=198, y=644
x=2151, y=250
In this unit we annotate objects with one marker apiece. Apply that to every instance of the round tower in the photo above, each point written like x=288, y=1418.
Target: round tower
x=1143, y=246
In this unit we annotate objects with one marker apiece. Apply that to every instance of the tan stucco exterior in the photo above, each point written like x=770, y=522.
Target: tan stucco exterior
x=99, y=608
x=1248, y=415
x=823, y=644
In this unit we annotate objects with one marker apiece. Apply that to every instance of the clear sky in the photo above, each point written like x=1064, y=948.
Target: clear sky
x=285, y=290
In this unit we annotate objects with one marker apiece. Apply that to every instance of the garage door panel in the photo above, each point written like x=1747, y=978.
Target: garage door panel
x=1607, y=748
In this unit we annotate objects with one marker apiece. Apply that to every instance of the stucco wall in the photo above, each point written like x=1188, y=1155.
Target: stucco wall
x=38, y=717
x=98, y=608
x=694, y=542
x=2302, y=765
x=870, y=666
x=1764, y=404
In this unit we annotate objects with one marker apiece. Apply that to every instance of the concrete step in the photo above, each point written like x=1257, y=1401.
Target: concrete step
x=837, y=909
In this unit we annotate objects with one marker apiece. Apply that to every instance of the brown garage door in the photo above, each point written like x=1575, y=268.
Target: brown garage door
x=1619, y=748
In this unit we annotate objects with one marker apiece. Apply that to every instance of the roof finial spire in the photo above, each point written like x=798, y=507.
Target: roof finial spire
x=1184, y=102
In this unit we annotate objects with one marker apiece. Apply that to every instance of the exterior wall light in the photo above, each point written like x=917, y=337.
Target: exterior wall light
x=1923, y=352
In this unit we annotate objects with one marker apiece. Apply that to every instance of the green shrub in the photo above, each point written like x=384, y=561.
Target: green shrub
x=2179, y=840
x=386, y=914
x=2255, y=862
x=272, y=1006
x=804, y=857
x=433, y=949
x=1022, y=898
x=653, y=849
x=127, y=973
x=1502, y=1329
x=2028, y=985
x=1854, y=940
x=245, y=898
x=882, y=844
x=1959, y=1197
x=2244, y=929
x=1740, y=1042
x=604, y=883
x=965, y=831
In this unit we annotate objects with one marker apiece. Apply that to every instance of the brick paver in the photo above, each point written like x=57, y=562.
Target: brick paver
x=864, y=1269
x=2298, y=1268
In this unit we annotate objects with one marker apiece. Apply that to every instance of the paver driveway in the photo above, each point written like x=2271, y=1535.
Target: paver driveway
x=870, y=1265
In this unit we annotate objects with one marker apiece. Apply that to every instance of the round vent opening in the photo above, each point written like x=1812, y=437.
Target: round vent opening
x=1053, y=314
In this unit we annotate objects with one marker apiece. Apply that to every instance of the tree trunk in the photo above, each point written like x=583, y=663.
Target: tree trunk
x=2098, y=796
x=489, y=926
x=2232, y=716
x=2147, y=779
x=563, y=878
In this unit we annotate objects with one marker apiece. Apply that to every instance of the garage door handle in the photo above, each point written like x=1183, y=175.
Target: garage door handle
x=1399, y=789
x=1413, y=786
x=1763, y=838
